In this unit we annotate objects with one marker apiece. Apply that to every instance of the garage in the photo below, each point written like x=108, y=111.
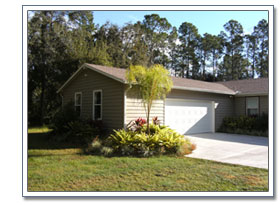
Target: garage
x=190, y=116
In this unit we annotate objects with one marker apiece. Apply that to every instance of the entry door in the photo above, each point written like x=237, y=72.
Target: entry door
x=190, y=116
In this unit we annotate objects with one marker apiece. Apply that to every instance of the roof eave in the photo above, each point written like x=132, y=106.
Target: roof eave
x=204, y=90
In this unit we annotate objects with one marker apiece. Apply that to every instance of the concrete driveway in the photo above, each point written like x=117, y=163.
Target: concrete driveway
x=231, y=148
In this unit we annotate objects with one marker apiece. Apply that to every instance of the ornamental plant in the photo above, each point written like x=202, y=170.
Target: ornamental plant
x=162, y=140
x=154, y=83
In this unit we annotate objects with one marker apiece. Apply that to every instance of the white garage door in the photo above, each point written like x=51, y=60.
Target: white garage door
x=189, y=116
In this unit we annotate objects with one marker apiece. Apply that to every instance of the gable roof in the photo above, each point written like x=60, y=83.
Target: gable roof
x=118, y=74
x=258, y=86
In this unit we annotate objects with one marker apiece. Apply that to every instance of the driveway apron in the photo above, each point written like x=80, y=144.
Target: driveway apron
x=231, y=148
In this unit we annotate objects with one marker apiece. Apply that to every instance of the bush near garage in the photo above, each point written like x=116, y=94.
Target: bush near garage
x=135, y=141
x=249, y=125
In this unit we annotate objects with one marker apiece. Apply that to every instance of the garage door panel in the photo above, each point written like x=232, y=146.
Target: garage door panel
x=188, y=117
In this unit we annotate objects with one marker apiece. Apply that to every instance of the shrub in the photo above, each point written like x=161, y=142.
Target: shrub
x=185, y=149
x=67, y=126
x=162, y=140
x=96, y=144
x=251, y=125
x=81, y=132
x=107, y=151
x=64, y=116
x=94, y=147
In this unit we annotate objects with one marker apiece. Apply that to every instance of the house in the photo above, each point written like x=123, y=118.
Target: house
x=192, y=106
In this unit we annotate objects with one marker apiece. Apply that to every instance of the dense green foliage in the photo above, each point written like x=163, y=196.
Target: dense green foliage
x=61, y=41
x=161, y=140
x=67, y=126
x=250, y=125
x=63, y=117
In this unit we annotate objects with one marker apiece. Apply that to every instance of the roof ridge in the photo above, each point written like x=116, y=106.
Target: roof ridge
x=105, y=66
x=243, y=80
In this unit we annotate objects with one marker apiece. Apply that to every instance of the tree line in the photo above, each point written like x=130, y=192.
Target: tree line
x=61, y=41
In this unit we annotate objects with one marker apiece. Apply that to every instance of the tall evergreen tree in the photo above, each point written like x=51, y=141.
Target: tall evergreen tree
x=233, y=48
x=173, y=51
x=188, y=35
x=157, y=30
x=251, y=44
x=261, y=33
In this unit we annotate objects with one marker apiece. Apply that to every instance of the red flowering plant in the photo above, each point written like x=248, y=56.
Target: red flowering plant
x=156, y=121
x=136, y=125
x=140, y=122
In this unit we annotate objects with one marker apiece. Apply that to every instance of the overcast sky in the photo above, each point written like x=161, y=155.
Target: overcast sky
x=206, y=21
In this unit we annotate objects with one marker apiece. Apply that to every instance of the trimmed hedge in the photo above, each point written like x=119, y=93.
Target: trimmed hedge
x=250, y=125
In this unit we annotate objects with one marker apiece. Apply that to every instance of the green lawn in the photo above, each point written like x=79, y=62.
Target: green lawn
x=33, y=130
x=63, y=168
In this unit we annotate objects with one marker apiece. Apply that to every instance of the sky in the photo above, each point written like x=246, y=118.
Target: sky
x=206, y=21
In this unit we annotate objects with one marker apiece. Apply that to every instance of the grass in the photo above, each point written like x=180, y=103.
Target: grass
x=43, y=129
x=51, y=168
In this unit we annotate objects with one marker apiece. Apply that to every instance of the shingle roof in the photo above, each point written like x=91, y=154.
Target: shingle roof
x=202, y=86
x=118, y=73
x=248, y=86
x=178, y=83
x=229, y=88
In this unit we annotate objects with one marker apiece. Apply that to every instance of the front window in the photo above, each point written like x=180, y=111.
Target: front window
x=252, y=106
x=97, y=105
x=78, y=102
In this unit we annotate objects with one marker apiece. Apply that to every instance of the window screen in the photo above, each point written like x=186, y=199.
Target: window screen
x=252, y=106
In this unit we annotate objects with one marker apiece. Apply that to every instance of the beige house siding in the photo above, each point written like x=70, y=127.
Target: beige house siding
x=240, y=105
x=224, y=103
x=112, y=97
x=135, y=109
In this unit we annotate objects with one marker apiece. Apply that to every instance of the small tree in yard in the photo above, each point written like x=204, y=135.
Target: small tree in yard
x=154, y=83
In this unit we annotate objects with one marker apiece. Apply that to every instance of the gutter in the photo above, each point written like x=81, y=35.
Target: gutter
x=204, y=90
x=239, y=94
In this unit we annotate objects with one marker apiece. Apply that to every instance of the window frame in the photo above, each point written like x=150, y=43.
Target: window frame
x=246, y=104
x=78, y=93
x=101, y=104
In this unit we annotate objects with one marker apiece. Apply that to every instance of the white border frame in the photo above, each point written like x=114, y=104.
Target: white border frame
x=101, y=109
x=270, y=9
